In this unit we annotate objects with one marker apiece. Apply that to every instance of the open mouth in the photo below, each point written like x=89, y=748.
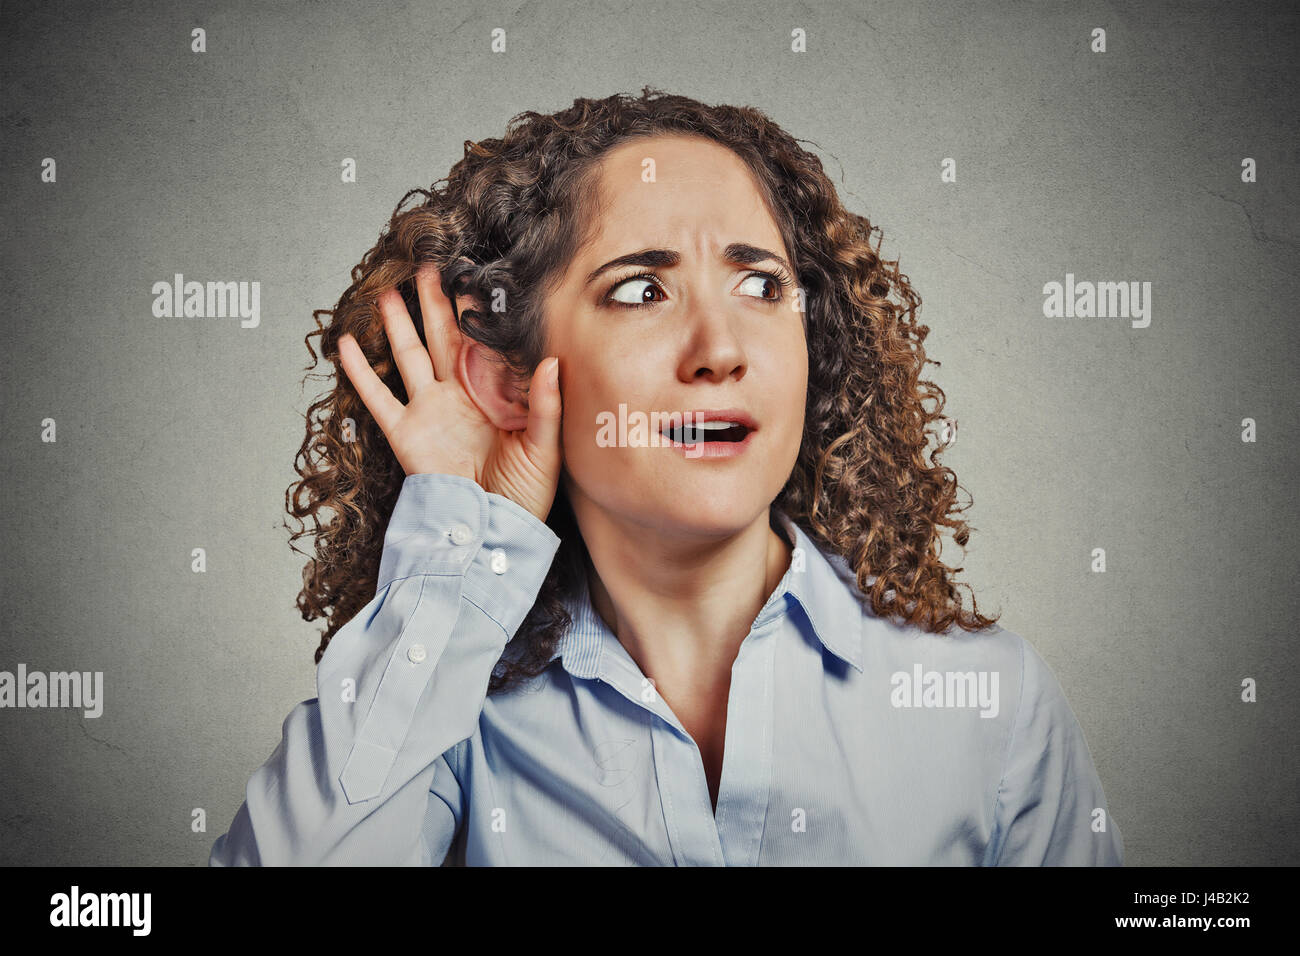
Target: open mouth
x=709, y=431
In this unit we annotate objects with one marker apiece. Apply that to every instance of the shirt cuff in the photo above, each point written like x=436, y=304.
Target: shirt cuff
x=447, y=524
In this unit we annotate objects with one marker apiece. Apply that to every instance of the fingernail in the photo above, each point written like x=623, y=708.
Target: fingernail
x=555, y=373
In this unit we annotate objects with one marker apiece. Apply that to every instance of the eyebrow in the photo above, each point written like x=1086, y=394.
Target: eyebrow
x=741, y=253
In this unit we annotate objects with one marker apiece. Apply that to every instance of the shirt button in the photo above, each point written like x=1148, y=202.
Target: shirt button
x=499, y=561
x=461, y=534
x=415, y=653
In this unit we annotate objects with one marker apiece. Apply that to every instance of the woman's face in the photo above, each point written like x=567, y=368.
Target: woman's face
x=712, y=333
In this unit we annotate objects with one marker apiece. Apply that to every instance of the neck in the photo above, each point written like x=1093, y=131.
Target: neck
x=680, y=602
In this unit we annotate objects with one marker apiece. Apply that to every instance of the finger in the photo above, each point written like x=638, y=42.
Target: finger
x=380, y=402
x=408, y=352
x=544, y=408
x=440, y=329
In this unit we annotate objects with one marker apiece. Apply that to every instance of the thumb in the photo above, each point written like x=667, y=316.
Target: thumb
x=544, y=407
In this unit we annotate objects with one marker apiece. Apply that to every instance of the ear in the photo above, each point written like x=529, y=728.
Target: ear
x=492, y=387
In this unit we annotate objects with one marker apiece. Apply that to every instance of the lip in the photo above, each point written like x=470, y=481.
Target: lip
x=709, y=449
x=737, y=415
x=715, y=449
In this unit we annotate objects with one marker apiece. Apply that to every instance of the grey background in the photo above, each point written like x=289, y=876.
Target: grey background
x=1073, y=433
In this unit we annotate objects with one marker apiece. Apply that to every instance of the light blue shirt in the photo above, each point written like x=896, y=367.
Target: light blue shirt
x=850, y=739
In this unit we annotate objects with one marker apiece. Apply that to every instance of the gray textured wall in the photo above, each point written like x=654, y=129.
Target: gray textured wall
x=1074, y=433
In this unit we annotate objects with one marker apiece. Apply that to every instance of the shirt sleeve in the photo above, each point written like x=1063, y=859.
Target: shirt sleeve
x=1050, y=795
x=359, y=776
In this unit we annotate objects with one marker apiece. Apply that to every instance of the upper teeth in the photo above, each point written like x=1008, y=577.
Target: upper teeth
x=712, y=425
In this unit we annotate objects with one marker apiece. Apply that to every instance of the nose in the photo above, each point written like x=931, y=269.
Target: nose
x=714, y=350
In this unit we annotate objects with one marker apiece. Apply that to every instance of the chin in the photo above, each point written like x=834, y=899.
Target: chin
x=700, y=516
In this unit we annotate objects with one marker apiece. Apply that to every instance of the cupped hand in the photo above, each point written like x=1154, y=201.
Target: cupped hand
x=441, y=429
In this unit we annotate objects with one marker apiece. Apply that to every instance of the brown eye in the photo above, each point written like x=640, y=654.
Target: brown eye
x=763, y=280
x=630, y=295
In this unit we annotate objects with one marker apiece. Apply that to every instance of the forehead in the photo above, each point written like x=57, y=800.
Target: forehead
x=674, y=189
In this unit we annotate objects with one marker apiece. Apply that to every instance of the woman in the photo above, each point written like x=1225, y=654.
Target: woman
x=593, y=632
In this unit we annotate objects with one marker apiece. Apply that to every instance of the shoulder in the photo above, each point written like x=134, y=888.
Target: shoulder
x=993, y=681
x=889, y=645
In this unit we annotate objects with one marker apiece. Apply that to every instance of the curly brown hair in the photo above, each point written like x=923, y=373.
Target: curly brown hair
x=510, y=215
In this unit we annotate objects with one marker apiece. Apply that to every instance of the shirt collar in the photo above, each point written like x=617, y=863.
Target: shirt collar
x=821, y=585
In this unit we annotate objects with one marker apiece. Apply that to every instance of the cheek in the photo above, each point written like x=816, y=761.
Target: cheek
x=591, y=416
x=786, y=359
x=588, y=394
